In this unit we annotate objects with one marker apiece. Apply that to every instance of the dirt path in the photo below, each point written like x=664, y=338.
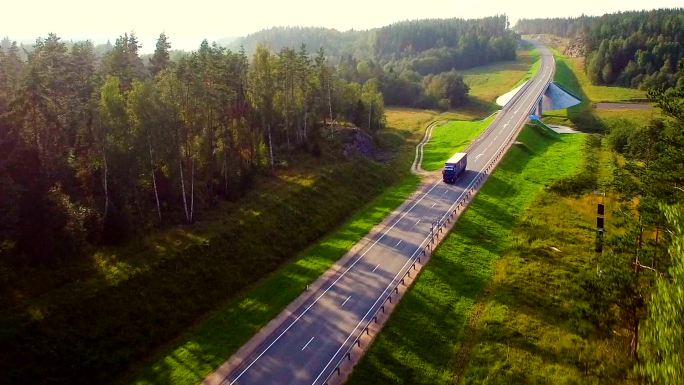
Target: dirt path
x=622, y=106
x=417, y=167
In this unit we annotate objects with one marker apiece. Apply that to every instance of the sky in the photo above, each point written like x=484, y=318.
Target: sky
x=187, y=24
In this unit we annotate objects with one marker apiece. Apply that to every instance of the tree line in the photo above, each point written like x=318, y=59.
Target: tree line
x=92, y=149
x=415, y=62
x=641, y=49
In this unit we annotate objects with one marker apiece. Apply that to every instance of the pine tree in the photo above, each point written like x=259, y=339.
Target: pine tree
x=160, y=59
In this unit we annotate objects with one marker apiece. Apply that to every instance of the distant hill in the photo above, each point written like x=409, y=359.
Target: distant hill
x=334, y=42
x=424, y=46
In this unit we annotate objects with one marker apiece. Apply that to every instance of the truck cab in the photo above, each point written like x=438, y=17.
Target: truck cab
x=454, y=167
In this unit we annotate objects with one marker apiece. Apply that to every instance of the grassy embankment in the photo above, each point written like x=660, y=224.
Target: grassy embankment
x=420, y=342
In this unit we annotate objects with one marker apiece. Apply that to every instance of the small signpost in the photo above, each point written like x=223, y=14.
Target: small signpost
x=600, y=224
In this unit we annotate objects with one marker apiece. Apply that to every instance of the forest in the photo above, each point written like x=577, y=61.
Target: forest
x=415, y=62
x=95, y=150
x=641, y=49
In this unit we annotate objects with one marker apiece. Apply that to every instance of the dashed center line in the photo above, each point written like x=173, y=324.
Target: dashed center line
x=345, y=301
x=433, y=205
x=307, y=344
x=397, y=243
x=376, y=267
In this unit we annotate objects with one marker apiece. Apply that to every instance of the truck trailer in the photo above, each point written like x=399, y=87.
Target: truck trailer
x=454, y=167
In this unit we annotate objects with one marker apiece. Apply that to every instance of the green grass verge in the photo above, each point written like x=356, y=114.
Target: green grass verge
x=231, y=326
x=420, y=342
x=450, y=138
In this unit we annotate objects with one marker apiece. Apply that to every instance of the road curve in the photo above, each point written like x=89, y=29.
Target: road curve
x=305, y=347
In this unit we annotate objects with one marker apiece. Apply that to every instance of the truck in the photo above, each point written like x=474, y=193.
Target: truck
x=454, y=167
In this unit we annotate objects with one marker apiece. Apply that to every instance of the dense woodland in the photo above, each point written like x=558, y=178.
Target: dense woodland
x=642, y=49
x=93, y=150
x=414, y=61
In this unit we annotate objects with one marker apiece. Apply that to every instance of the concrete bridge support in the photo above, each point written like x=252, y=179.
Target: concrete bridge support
x=540, y=108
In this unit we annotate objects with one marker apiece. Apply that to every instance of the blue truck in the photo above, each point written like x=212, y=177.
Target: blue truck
x=454, y=167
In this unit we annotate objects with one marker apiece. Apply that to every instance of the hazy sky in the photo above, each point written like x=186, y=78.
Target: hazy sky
x=189, y=23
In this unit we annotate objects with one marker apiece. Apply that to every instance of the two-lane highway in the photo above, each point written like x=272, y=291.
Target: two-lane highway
x=305, y=348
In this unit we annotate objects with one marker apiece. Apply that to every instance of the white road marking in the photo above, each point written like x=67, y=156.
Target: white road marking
x=416, y=223
x=433, y=205
x=505, y=125
x=397, y=243
x=307, y=344
x=479, y=155
x=345, y=301
x=376, y=267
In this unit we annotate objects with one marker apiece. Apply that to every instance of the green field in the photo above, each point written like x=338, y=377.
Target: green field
x=489, y=82
x=450, y=138
x=421, y=341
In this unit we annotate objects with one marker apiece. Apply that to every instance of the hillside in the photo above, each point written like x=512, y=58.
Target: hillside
x=423, y=46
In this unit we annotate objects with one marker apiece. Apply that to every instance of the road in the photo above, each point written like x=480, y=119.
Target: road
x=305, y=348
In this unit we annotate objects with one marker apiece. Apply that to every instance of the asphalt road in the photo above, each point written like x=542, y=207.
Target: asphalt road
x=307, y=346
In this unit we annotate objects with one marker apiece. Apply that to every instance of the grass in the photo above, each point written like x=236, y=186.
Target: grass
x=489, y=82
x=229, y=327
x=420, y=343
x=532, y=328
x=450, y=138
